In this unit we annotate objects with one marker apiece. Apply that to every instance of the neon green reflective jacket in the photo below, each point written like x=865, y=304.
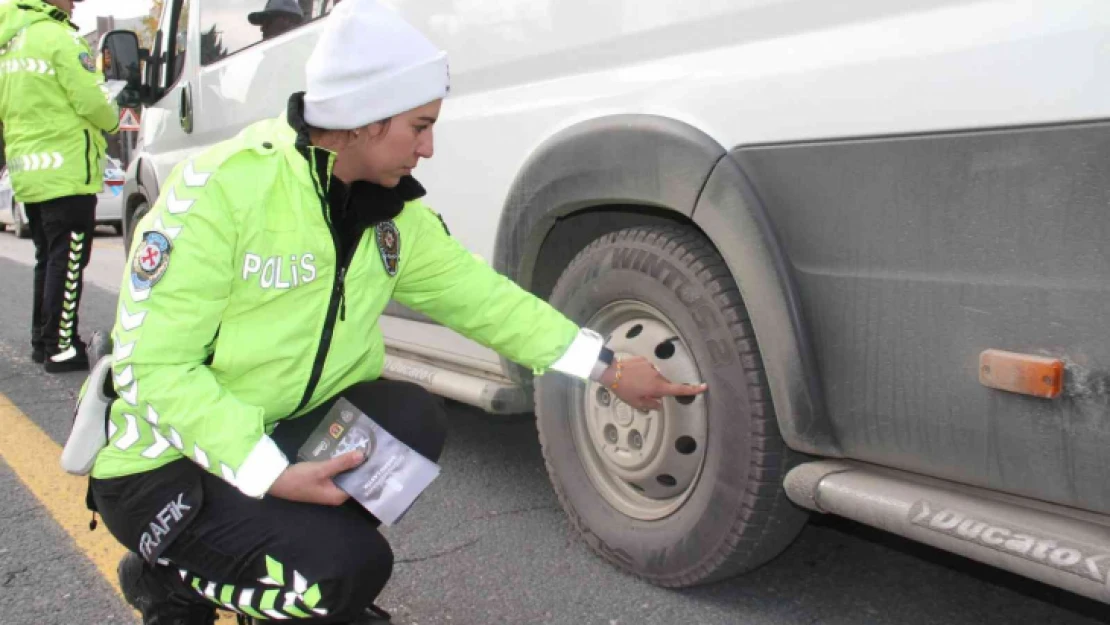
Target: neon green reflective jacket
x=235, y=313
x=53, y=104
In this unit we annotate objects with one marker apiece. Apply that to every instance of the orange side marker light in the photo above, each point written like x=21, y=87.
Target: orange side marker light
x=1027, y=374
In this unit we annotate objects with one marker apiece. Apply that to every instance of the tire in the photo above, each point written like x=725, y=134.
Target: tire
x=136, y=216
x=701, y=498
x=117, y=227
x=20, y=227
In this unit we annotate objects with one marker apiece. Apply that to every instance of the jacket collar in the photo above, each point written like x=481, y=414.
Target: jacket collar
x=50, y=10
x=373, y=203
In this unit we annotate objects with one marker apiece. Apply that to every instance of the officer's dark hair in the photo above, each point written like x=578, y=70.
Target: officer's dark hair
x=313, y=130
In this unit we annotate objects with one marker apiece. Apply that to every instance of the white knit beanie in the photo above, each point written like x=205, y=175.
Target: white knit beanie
x=370, y=64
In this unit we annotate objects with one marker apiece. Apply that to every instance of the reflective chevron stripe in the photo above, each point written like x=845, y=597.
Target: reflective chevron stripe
x=171, y=232
x=159, y=446
x=15, y=44
x=122, y=350
x=130, y=394
x=71, y=294
x=276, y=600
x=131, y=434
x=128, y=321
x=200, y=456
x=37, y=162
x=228, y=474
x=31, y=66
x=141, y=416
x=176, y=206
x=175, y=440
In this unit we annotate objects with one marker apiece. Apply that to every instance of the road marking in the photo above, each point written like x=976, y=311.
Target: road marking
x=24, y=447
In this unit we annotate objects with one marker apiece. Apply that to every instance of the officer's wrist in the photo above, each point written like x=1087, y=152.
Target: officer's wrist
x=603, y=367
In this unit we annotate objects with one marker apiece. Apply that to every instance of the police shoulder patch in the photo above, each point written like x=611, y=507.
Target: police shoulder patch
x=151, y=259
x=87, y=61
x=389, y=246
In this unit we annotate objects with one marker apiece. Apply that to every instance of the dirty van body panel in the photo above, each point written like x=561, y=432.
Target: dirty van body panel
x=914, y=254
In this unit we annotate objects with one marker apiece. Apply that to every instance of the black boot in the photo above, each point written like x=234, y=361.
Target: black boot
x=146, y=591
x=374, y=616
x=72, y=359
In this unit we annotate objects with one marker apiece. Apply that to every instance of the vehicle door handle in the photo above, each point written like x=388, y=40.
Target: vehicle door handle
x=185, y=111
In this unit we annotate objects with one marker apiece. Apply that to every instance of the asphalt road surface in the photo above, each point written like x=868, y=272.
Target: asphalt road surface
x=488, y=544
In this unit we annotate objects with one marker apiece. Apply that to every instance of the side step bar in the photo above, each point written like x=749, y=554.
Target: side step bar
x=492, y=395
x=1059, y=546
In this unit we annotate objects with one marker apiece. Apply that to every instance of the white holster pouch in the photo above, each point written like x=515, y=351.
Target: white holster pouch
x=90, y=422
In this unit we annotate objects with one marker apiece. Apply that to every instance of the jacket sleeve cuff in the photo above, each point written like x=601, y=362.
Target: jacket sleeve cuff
x=581, y=356
x=261, y=468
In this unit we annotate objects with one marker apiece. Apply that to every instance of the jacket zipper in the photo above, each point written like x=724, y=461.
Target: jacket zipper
x=88, y=163
x=336, y=307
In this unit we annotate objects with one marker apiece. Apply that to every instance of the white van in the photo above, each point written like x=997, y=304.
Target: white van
x=876, y=229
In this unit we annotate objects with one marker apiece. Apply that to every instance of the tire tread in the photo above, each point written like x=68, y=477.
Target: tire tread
x=767, y=521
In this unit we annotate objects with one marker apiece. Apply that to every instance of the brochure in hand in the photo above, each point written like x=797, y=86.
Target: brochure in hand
x=392, y=477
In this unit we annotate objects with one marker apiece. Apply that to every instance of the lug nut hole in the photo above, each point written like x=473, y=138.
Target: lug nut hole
x=685, y=445
x=664, y=350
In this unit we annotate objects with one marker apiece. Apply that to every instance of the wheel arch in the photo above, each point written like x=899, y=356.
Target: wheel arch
x=141, y=186
x=733, y=217
x=614, y=172
x=647, y=163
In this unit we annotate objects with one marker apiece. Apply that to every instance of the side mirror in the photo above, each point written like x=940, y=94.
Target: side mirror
x=119, y=54
x=121, y=59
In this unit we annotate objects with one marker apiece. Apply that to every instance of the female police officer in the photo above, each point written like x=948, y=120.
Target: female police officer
x=251, y=304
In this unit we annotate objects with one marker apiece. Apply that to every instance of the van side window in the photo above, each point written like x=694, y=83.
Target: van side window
x=230, y=26
x=171, y=43
x=180, y=41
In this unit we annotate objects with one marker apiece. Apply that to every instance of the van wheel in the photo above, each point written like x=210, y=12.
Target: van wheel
x=691, y=494
x=136, y=216
x=20, y=227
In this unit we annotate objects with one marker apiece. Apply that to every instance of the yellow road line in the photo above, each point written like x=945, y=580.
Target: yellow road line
x=34, y=457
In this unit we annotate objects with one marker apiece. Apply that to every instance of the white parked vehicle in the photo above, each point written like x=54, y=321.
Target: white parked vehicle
x=11, y=210
x=109, y=202
x=876, y=229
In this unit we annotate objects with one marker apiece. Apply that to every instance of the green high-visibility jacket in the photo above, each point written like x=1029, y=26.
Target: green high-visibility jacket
x=235, y=311
x=53, y=104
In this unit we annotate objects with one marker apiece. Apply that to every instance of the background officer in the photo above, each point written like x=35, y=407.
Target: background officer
x=54, y=107
x=279, y=16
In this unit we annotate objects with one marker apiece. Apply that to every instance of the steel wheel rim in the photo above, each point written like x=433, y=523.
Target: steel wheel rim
x=644, y=465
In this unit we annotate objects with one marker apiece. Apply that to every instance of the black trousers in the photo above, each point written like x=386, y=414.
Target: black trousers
x=272, y=558
x=62, y=230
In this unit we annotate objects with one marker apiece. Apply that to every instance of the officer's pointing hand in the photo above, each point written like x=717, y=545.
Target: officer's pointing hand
x=637, y=382
x=311, y=482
